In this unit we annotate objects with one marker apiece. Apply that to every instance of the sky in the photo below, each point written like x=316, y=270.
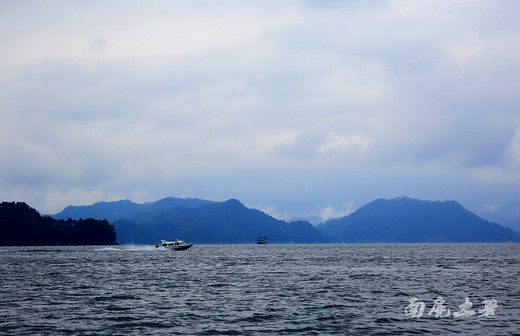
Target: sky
x=296, y=108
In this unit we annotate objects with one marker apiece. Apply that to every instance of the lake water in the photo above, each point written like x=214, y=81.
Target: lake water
x=344, y=289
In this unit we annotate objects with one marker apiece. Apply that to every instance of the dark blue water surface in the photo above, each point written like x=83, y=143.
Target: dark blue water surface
x=257, y=289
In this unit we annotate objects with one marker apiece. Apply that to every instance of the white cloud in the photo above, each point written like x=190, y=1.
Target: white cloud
x=305, y=100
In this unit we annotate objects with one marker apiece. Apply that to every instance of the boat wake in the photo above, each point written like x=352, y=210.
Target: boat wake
x=139, y=248
x=108, y=249
x=128, y=248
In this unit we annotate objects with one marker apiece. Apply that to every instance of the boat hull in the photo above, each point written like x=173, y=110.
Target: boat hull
x=262, y=240
x=178, y=248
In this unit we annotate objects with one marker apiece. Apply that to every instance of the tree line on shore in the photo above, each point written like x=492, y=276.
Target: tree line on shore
x=22, y=225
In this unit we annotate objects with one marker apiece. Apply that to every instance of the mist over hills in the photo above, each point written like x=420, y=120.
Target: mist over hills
x=407, y=220
x=513, y=223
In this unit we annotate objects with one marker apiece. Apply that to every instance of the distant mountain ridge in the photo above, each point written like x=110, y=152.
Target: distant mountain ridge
x=126, y=209
x=194, y=220
x=398, y=220
x=407, y=220
x=226, y=222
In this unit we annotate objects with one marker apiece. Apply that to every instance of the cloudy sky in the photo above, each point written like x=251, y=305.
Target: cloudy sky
x=297, y=108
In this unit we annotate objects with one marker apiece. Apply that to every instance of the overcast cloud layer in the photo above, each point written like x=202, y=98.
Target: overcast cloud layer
x=296, y=108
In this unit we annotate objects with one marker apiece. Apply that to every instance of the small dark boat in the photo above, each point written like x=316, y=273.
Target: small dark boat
x=262, y=240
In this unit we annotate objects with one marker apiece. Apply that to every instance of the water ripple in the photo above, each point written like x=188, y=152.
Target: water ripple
x=256, y=290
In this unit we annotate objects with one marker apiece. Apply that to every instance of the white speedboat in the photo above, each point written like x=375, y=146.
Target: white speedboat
x=177, y=245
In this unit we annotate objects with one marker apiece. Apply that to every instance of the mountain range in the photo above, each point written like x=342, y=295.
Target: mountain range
x=226, y=222
x=398, y=220
x=194, y=220
x=407, y=220
x=126, y=209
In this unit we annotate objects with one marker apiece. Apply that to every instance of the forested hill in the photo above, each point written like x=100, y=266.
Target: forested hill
x=407, y=220
x=194, y=220
x=126, y=209
x=225, y=222
x=21, y=225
